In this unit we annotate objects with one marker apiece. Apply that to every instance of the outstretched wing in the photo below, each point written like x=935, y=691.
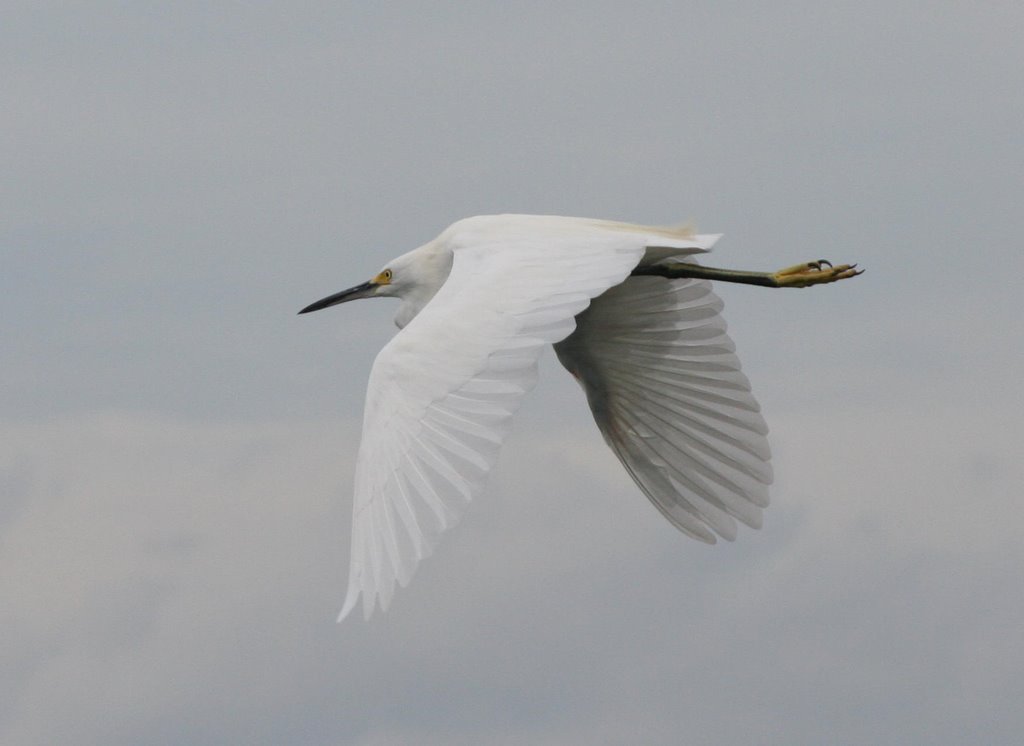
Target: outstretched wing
x=442, y=392
x=667, y=393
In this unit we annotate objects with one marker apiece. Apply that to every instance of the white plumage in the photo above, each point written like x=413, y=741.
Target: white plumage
x=479, y=304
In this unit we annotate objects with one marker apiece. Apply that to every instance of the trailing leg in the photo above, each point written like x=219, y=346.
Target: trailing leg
x=798, y=276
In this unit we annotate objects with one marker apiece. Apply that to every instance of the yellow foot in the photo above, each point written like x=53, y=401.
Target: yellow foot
x=814, y=273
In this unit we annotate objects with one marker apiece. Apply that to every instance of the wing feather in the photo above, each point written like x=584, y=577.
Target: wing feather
x=668, y=394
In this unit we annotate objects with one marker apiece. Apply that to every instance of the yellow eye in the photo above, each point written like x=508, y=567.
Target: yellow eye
x=386, y=274
x=384, y=278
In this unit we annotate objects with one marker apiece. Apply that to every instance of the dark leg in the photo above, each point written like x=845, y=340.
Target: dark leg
x=799, y=276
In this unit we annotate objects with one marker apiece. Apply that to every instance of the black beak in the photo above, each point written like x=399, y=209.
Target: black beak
x=359, y=291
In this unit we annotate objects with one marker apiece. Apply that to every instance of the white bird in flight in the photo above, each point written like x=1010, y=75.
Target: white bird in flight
x=631, y=316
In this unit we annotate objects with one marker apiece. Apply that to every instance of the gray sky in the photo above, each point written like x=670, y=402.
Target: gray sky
x=177, y=445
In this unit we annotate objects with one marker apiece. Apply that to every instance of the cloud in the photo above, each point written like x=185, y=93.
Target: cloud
x=145, y=539
x=186, y=576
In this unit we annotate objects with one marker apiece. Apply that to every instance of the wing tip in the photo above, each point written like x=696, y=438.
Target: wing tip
x=351, y=599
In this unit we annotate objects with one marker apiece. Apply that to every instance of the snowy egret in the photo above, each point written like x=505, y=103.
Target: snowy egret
x=630, y=315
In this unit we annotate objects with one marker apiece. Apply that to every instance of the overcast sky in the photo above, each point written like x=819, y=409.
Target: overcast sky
x=176, y=445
